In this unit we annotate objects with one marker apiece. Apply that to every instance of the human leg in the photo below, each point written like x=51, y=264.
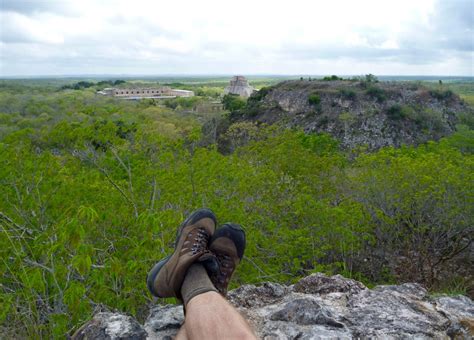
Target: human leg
x=182, y=334
x=210, y=316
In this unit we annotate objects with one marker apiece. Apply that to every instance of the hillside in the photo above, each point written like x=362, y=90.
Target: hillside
x=359, y=113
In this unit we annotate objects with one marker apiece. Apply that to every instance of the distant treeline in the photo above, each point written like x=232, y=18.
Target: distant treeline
x=86, y=84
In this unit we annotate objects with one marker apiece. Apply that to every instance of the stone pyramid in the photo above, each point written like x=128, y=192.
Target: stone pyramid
x=240, y=86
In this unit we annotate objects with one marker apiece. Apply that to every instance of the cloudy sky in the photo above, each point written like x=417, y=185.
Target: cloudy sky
x=155, y=37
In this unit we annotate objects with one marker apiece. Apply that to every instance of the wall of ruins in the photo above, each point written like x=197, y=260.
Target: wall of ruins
x=147, y=92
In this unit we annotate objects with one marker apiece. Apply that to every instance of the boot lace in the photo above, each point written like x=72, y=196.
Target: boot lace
x=226, y=269
x=200, y=239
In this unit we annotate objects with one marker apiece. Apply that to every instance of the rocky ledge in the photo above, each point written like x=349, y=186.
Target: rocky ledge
x=316, y=307
x=372, y=115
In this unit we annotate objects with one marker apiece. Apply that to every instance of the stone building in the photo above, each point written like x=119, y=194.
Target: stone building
x=136, y=93
x=240, y=86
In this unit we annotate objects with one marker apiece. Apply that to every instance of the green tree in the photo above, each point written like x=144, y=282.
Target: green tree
x=233, y=102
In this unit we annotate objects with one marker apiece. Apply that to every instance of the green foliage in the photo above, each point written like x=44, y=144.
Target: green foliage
x=455, y=285
x=260, y=94
x=468, y=98
x=463, y=140
x=441, y=94
x=398, y=112
x=465, y=118
x=332, y=78
x=207, y=91
x=348, y=94
x=87, y=84
x=411, y=195
x=314, y=99
x=425, y=119
x=321, y=144
x=377, y=93
x=370, y=78
x=233, y=102
x=182, y=102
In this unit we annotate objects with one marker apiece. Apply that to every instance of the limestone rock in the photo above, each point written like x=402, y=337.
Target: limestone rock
x=400, y=114
x=305, y=311
x=164, y=321
x=316, y=307
x=460, y=311
x=109, y=326
x=321, y=284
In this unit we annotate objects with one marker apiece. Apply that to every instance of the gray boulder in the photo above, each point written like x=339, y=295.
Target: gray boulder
x=108, y=326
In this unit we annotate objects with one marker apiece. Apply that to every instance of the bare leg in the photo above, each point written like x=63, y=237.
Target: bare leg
x=210, y=316
x=182, y=335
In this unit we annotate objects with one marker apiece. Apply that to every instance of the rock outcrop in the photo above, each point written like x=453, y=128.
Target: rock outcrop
x=358, y=113
x=316, y=307
x=239, y=85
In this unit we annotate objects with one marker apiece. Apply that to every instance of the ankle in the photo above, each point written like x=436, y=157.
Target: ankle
x=196, y=282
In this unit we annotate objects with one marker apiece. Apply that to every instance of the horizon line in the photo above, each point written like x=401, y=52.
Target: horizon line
x=197, y=75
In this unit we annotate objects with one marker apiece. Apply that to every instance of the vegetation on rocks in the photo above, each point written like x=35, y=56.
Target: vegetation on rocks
x=382, y=113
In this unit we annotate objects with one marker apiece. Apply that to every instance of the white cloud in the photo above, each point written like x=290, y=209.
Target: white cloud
x=20, y=28
x=308, y=37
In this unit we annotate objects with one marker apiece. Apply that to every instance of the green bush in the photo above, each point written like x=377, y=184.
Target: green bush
x=441, y=94
x=233, y=102
x=332, y=78
x=260, y=94
x=376, y=93
x=348, y=94
x=314, y=99
x=370, y=78
x=398, y=112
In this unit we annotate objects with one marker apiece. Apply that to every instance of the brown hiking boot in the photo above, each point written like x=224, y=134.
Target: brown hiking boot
x=228, y=245
x=166, y=277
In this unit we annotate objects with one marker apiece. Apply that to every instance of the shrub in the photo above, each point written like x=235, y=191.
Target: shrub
x=397, y=112
x=441, y=94
x=376, y=93
x=314, y=99
x=370, y=78
x=332, y=78
x=260, y=94
x=233, y=102
x=348, y=94
x=321, y=144
x=430, y=120
x=170, y=103
x=467, y=119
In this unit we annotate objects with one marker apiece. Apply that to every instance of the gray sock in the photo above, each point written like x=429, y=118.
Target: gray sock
x=196, y=282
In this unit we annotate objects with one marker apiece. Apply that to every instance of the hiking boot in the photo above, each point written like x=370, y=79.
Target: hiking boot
x=166, y=277
x=228, y=245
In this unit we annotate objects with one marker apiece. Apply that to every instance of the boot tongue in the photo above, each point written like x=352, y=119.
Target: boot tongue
x=210, y=262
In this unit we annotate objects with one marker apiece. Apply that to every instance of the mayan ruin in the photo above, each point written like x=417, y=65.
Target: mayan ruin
x=240, y=86
x=162, y=92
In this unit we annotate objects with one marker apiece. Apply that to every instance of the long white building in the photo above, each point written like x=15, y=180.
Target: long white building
x=137, y=93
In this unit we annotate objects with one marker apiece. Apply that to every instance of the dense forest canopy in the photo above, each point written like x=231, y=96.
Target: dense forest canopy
x=92, y=189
